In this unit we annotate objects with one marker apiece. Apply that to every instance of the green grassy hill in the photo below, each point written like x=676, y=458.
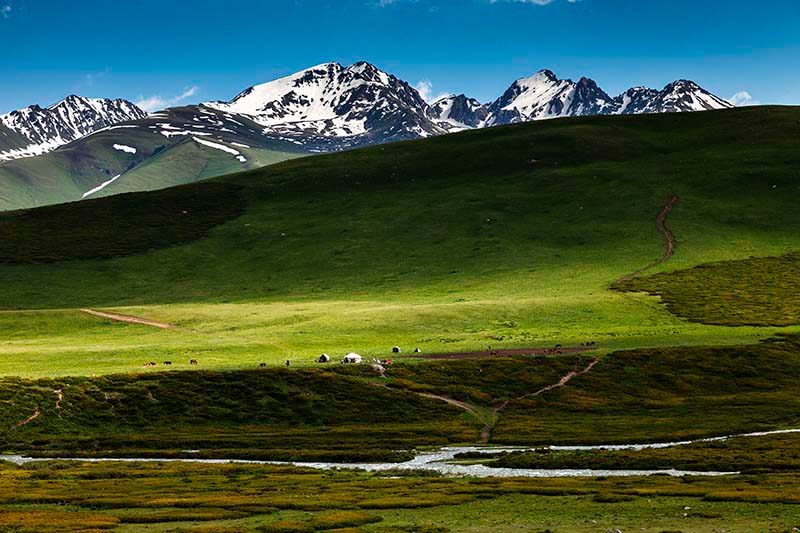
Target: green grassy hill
x=509, y=237
x=522, y=236
x=165, y=155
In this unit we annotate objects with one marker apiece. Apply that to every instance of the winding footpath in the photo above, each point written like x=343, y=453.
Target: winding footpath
x=36, y=414
x=489, y=423
x=669, y=241
x=128, y=319
x=486, y=432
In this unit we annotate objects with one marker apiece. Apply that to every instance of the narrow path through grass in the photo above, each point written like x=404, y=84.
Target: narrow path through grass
x=669, y=240
x=486, y=432
x=128, y=319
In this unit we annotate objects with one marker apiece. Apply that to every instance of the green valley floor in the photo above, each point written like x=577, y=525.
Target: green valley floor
x=541, y=238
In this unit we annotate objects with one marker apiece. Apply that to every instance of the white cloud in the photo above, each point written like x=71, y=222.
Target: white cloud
x=89, y=79
x=425, y=90
x=743, y=98
x=156, y=103
x=5, y=10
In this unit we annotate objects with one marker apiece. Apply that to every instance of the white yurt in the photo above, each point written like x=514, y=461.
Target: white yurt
x=352, y=359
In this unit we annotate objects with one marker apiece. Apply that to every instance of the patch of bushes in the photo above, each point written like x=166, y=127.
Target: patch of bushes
x=744, y=454
x=51, y=521
x=298, y=415
x=751, y=292
x=664, y=394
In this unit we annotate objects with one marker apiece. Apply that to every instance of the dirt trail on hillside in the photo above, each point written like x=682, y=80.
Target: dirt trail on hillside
x=129, y=319
x=431, y=396
x=486, y=432
x=59, y=398
x=30, y=419
x=669, y=241
x=463, y=405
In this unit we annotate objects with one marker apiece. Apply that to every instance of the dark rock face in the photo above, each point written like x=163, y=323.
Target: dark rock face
x=461, y=111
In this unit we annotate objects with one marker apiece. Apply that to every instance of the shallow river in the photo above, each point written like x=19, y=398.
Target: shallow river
x=438, y=461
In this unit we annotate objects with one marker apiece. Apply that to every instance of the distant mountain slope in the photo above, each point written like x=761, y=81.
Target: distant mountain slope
x=114, y=147
x=41, y=130
x=172, y=147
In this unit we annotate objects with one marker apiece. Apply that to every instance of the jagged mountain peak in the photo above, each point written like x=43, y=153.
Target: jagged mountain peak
x=544, y=95
x=331, y=102
x=74, y=117
x=458, y=112
x=330, y=106
x=541, y=75
x=676, y=97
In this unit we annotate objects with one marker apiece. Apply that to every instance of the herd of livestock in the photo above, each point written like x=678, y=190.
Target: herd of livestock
x=356, y=359
x=349, y=359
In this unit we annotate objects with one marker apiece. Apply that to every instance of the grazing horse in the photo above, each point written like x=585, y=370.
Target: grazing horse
x=262, y=365
x=167, y=363
x=193, y=362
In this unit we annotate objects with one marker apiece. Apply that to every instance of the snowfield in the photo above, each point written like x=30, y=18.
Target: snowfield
x=222, y=148
x=126, y=149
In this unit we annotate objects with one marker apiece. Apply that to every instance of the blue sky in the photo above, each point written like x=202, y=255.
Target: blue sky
x=180, y=51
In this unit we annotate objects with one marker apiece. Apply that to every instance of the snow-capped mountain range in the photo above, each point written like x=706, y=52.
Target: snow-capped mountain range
x=40, y=130
x=86, y=147
x=332, y=107
x=544, y=96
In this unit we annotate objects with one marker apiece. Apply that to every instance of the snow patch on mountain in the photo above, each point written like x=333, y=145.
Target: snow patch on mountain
x=182, y=133
x=222, y=148
x=101, y=186
x=32, y=150
x=124, y=148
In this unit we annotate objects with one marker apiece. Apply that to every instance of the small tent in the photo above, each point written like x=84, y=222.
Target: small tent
x=352, y=359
